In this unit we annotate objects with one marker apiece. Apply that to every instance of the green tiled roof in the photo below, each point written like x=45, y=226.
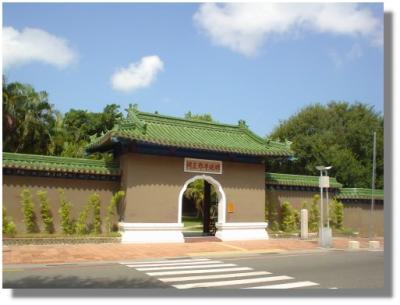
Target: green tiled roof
x=297, y=180
x=189, y=134
x=59, y=164
x=359, y=193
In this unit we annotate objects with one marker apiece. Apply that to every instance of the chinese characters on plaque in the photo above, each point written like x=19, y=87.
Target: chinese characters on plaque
x=202, y=166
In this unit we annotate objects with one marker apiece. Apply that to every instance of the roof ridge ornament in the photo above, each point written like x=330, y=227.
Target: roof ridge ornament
x=133, y=119
x=242, y=123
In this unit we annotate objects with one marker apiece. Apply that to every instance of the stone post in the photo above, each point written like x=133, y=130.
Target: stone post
x=304, y=224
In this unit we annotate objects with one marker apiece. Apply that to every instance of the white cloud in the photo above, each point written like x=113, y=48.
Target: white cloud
x=245, y=27
x=340, y=59
x=137, y=75
x=30, y=44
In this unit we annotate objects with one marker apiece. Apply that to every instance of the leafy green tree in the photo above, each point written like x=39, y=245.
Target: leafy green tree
x=95, y=204
x=338, y=134
x=28, y=210
x=115, y=199
x=28, y=119
x=336, y=214
x=272, y=216
x=313, y=215
x=288, y=220
x=79, y=125
x=81, y=225
x=67, y=225
x=45, y=212
x=9, y=228
x=199, y=117
x=195, y=192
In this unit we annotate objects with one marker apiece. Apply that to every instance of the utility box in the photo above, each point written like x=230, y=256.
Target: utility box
x=324, y=181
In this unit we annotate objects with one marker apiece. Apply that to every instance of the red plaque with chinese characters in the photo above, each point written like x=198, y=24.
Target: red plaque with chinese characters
x=202, y=166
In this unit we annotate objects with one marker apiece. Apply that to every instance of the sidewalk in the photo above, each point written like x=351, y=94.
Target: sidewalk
x=45, y=254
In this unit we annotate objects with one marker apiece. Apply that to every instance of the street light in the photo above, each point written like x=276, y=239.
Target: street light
x=325, y=234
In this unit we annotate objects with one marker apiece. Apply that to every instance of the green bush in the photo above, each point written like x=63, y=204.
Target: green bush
x=272, y=215
x=296, y=215
x=288, y=223
x=313, y=223
x=336, y=214
x=29, y=212
x=339, y=215
x=95, y=204
x=67, y=225
x=116, y=198
x=45, y=212
x=9, y=228
x=81, y=226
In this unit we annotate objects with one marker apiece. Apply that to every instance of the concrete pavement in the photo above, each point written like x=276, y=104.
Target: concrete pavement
x=47, y=254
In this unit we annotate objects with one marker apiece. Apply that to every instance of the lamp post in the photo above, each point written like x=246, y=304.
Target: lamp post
x=325, y=234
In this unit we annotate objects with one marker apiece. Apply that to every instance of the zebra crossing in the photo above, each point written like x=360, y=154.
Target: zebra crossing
x=186, y=273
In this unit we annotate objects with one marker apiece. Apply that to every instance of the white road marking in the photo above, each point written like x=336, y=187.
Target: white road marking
x=199, y=271
x=166, y=261
x=213, y=276
x=173, y=264
x=233, y=282
x=204, y=267
x=185, y=267
x=286, y=286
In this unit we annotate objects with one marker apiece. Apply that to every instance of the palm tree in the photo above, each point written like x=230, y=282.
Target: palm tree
x=195, y=192
x=28, y=119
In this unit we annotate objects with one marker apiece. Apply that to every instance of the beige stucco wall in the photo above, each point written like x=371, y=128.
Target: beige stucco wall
x=153, y=184
x=356, y=215
x=77, y=192
x=295, y=198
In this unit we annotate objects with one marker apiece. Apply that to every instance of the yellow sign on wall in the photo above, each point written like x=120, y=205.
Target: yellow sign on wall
x=231, y=207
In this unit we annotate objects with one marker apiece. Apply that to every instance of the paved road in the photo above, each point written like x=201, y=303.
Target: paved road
x=309, y=270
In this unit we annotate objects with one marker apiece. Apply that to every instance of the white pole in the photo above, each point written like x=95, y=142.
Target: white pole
x=327, y=204
x=321, y=210
x=372, y=187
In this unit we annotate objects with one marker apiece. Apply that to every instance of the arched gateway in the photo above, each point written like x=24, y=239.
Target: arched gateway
x=220, y=194
x=160, y=155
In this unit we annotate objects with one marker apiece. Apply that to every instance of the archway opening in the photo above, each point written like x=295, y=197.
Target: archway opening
x=201, y=206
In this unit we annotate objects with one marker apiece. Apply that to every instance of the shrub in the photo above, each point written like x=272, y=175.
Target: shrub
x=313, y=223
x=67, y=224
x=339, y=215
x=45, y=212
x=296, y=215
x=9, y=227
x=116, y=198
x=95, y=204
x=81, y=226
x=336, y=214
x=288, y=223
x=272, y=214
x=28, y=212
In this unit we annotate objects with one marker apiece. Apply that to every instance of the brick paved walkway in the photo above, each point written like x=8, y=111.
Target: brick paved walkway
x=31, y=254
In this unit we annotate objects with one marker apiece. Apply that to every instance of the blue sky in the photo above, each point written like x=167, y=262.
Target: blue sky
x=207, y=59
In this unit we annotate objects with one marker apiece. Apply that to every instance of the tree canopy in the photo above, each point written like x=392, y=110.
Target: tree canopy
x=206, y=117
x=31, y=124
x=338, y=134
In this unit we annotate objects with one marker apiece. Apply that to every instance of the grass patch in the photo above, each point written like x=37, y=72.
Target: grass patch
x=192, y=223
x=61, y=235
